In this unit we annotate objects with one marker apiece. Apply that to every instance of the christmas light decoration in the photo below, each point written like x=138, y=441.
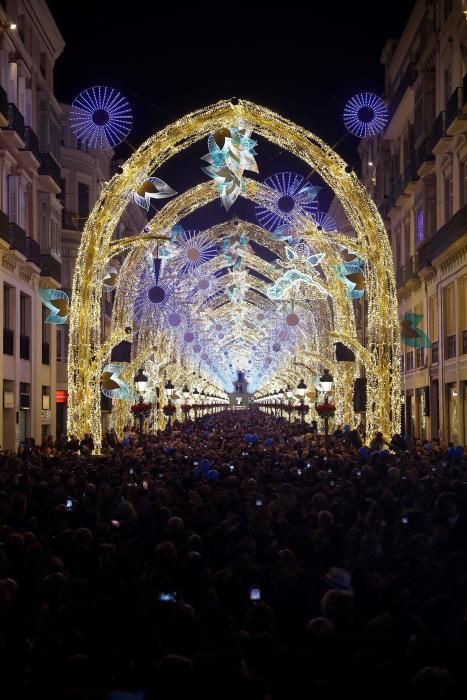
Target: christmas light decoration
x=101, y=117
x=365, y=115
x=111, y=384
x=288, y=194
x=151, y=188
x=181, y=329
x=59, y=304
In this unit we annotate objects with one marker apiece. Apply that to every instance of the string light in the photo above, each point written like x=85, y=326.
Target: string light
x=323, y=321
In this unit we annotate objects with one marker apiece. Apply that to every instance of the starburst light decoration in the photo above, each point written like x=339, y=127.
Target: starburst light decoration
x=365, y=115
x=101, y=117
x=289, y=195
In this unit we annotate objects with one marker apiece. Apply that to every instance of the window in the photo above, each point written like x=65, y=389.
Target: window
x=435, y=353
x=464, y=342
x=447, y=8
x=447, y=197
x=402, y=364
x=408, y=361
x=6, y=305
x=447, y=84
x=450, y=347
x=62, y=343
x=419, y=357
x=43, y=63
x=21, y=27
x=419, y=225
x=464, y=182
x=25, y=314
x=406, y=240
x=83, y=200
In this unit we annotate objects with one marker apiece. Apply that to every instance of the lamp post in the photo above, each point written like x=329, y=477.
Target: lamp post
x=289, y=394
x=169, y=390
x=195, y=401
x=203, y=395
x=141, y=382
x=186, y=396
x=326, y=383
x=281, y=395
x=301, y=389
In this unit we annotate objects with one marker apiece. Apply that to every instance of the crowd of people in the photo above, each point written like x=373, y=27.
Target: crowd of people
x=234, y=555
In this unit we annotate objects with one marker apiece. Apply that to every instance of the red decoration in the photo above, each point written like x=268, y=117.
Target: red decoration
x=169, y=409
x=186, y=407
x=325, y=408
x=141, y=407
x=303, y=408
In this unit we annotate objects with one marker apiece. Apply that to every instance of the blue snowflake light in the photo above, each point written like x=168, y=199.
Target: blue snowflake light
x=365, y=115
x=101, y=117
x=289, y=195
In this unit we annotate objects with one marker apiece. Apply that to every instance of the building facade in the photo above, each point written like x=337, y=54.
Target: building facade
x=30, y=217
x=417, y=173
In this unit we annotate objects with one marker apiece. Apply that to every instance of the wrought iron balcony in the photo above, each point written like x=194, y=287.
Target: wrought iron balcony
x=386, y=206
x=45, y=354
x=8, y=341
x=4, y=103
x=425, y=153
x=406, y=81
x=17, y=238
x=33, y=251
x=24, y=347
x=32, y=143
x=439, y=128
x=4, y=227
x=410, y=172
x=16, y=121
x=71, y=221
x=51, y=267
x=456, y=120
x=452, y=231
x=407, y=272
x=50, y=167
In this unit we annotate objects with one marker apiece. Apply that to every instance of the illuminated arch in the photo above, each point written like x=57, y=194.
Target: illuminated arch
x=86, y=353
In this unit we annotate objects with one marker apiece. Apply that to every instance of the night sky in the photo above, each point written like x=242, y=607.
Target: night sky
x=304, y=63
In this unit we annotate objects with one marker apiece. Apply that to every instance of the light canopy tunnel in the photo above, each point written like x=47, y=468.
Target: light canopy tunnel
x=207, y=302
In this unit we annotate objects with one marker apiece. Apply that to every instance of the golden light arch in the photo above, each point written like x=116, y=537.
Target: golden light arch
x=87, y=353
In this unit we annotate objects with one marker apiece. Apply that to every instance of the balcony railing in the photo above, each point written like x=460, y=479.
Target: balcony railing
x=425, y=152
x=454, y=106
x=8, y=341
x=45, y=354
x=51, y=267
x=32, y=143
x=18, y=238
x=16, y=121
x=3, y=103
x=24, y=347
x=406, y=81
x=33, y=251
x=4, y=227
x=452, y=230
x=439, y=128
x=410, y=172
x=398, y=187
x=387, y=204
x=71, y=221
x=407, y=272
x=50, y=167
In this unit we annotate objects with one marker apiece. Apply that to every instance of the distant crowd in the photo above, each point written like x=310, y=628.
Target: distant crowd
x=235, y=556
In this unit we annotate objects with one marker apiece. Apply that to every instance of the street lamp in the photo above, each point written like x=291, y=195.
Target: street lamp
x=186, y=396
x=301, y=389
x=289, y=394
x=281, y=395
x=195, y=401
x=141, y=382
x=326, y=383
x=169, y=390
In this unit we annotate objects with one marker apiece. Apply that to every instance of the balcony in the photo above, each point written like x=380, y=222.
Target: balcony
x=400, y=196
x=8, y=341
x=425, y=158
x=18, y=239
x=15, y=128
x=441, y=138
x=24, y=347
x=410, y=175
x=49, y=174
x=452, y=231
x=51, y=267
x=31, y=149
x=386, y=206
x=45, y=354
x=456, y=120
x=3, y=108
x=71, y=221
x=406, y=81
x=33, y=251
x=4, y=228
x=408, y=272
